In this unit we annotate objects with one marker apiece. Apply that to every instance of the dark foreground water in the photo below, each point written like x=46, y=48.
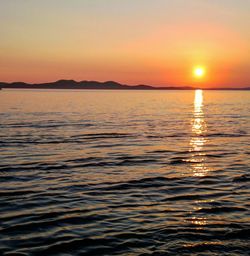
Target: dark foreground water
x=124, y=173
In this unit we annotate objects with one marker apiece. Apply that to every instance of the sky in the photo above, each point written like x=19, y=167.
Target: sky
x=155, y=42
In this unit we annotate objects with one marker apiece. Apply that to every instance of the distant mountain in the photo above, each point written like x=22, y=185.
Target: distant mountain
x=71, y=84
x=109, y=85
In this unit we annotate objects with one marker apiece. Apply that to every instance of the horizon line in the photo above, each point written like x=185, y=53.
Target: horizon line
x=108, y=82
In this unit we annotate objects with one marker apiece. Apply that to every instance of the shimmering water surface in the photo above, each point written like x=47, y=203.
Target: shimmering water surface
x=124, y=173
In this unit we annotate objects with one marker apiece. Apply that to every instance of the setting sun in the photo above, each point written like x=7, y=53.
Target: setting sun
x=199, y=72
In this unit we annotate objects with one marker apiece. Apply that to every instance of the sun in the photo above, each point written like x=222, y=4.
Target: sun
x=199, y=72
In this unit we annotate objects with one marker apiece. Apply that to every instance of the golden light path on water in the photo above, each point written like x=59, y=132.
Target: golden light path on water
x=198, y=141
x=197, y=159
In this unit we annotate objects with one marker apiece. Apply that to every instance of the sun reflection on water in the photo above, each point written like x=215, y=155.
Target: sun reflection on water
x=198, y=156
x=199, y=221
x=198, y=141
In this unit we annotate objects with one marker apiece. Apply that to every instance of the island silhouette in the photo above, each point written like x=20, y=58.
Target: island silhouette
x=108, y=85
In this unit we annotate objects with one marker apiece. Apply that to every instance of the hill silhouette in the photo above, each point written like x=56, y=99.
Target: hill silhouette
x=108, y=85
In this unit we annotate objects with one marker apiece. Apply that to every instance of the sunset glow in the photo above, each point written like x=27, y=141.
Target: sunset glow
x=156, y=43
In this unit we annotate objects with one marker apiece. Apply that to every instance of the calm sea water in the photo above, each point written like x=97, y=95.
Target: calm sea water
x=124, y=173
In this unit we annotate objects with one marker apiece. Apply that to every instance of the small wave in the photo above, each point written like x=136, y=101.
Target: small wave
x=137, y=162
x=141, y=183
x=229, y=135
x=77, y=243
x=102, y=135
x=16, y=193
x=242, y=178
x=162, y=136
x=204, y=246
x=177, y=161
x=239, y=234
x=222, y=209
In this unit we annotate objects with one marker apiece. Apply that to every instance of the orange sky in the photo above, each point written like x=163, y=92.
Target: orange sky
x=134, y=41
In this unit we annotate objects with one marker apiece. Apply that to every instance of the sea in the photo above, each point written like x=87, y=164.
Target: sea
x=130, y=173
